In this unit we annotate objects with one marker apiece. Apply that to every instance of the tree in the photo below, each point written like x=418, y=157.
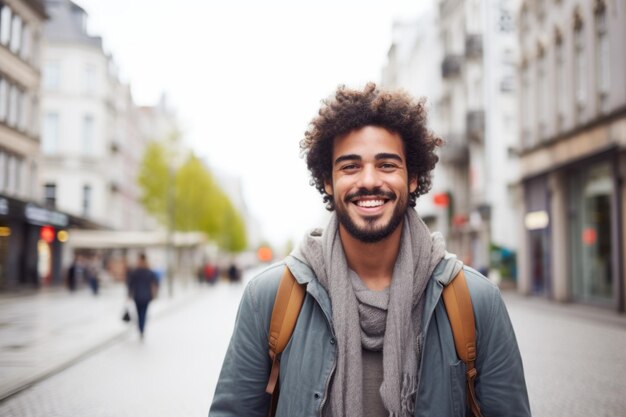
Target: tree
x=153, y=179
x=199, y=204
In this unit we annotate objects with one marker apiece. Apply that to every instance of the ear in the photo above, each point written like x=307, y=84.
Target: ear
x=413, y=184
x=328, y=187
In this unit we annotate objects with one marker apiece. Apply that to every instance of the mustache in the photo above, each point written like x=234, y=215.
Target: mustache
x=376, y=192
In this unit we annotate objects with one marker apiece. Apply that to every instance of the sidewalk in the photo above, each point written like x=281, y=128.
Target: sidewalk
x=49, y=330
x=574, y=310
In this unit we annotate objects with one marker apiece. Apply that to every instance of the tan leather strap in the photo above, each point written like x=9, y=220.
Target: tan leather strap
x=458, y=303
x=287, y=305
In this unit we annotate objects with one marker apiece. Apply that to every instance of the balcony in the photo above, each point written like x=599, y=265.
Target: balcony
x=473, y=46
x=451, y=66
x=454, y=150
x=475, y=125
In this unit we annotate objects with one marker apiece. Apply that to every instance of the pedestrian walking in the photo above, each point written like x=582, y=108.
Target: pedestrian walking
x=75, y=273
x=142, y=288
x=373, y=337
x=91, y=273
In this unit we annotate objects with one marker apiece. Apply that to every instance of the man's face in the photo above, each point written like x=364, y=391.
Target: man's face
x=370, y=185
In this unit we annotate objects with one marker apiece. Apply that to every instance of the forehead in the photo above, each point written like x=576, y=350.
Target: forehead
x=367, y=142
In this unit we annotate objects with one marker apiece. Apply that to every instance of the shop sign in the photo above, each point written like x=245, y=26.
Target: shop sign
x=4, y=206
x=38, y=215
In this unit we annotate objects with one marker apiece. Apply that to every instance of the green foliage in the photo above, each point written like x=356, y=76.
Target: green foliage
x=153, y=180
x=191, y=197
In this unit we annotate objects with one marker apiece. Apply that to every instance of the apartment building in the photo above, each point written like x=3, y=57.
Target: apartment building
x=478, y=116
x=29, y=245
x=573, y=150
x=91, y=139
x=413, y=64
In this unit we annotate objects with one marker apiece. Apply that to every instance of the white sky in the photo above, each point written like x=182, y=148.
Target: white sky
x=246, y=77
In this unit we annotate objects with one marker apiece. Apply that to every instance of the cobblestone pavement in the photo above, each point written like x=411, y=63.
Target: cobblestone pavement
x=574, y=361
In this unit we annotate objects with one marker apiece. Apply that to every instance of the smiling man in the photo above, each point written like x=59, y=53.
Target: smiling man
x=373, y=337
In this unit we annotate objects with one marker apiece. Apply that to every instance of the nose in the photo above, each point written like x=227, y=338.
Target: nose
x=369, y=178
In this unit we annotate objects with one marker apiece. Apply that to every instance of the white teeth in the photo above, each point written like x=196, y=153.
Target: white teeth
x=370, y=203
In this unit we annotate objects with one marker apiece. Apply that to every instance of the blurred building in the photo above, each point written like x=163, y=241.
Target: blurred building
x=461, y=55
x=572, y=150
x=477, y=109
x=91, y=143
x=28, y=243
x=413, y=65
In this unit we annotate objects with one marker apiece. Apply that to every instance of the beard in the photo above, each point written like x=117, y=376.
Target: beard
x=370, y=232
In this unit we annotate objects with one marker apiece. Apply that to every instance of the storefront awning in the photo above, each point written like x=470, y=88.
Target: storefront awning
x=109, y=239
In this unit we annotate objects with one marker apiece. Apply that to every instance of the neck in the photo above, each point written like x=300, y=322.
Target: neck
x=372, y=262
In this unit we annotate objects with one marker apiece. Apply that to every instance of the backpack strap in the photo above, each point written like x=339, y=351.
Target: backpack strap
x=287, y=305
x=458, y=303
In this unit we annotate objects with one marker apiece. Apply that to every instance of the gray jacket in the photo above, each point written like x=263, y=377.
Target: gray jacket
x=308, y=362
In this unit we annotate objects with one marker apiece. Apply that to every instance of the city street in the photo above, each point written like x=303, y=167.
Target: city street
x=574, y=360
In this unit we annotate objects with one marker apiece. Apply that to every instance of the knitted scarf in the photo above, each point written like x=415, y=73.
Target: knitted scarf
x=390, y=320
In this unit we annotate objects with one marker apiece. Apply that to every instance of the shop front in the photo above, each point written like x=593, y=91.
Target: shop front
x=594, y=233
x=31, y=239
x=539, y=239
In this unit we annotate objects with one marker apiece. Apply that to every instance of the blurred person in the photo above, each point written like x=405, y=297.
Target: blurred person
x=142, y=288
x=234, y=274
x=91, y=274
x=75, y=273
x=373, y=336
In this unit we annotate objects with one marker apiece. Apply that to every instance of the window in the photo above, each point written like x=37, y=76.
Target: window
x=24, y=111
x=50, y=136
x=86, y=200
x=3, y=171
x=16, y=34
x=506, y=24
x=33, y=125
x=5, y=25
x=580, y=65
x=561, y=80
x=17, y=182
x=4, y=99
x=26, y=43
x=602, y=58
x=51, y=76
x=528, y=106
x=88, y=132
x=13, y=103
x=542, y=89
x=50, y=194
x=11, y=174
x=90, y=79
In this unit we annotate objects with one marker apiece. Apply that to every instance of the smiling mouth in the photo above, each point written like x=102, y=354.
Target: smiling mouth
x=370, y=203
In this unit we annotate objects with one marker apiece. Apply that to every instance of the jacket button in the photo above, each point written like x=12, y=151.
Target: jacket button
x=317, y=396
x=332, y=340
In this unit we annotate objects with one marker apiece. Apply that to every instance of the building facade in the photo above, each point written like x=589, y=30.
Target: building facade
x=29, y=244
x=573, y=150
x=413, y=65
x=91, y=140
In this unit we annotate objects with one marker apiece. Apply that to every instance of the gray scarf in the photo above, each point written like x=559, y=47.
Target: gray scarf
x=388, y=320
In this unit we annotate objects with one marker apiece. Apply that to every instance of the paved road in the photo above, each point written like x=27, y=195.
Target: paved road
x=171, y=373
x=574, y=358
x=575, y=364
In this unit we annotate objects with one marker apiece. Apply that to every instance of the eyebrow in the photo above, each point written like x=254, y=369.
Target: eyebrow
x=378, y=157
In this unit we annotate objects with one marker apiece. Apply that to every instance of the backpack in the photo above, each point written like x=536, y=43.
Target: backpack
x=457, y=301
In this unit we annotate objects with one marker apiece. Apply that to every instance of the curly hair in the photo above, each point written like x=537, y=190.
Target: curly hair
x=352, y=109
